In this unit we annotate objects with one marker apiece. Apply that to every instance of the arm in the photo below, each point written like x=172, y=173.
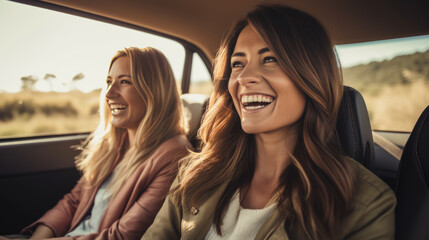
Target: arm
x=41, y=232
x=59, y=218
x=140, y=216
x=377, y=220
x=133, y=223
x=167, y=224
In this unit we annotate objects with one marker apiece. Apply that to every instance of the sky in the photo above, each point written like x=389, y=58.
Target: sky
x=362, y=53
x=36, y=41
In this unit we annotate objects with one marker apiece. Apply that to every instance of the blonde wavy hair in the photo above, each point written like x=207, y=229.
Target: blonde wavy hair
x=315, y=190
x=154, y=81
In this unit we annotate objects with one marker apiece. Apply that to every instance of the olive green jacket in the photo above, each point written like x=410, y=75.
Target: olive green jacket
x=372, y=215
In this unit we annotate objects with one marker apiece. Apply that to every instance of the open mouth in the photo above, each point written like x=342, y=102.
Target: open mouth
x=117, y=108
x=256, y=101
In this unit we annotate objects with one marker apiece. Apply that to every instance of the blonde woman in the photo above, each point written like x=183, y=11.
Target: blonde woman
x=130, y=160
x=271, y=166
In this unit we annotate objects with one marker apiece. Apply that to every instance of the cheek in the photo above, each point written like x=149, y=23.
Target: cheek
x=140, y=109
x=300, y=103
x=291, y=99
x=295, y=103
x=232, y=89
x=136, y=102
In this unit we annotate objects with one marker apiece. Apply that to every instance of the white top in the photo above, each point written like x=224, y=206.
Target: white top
x=241, y=223
x=91, y=221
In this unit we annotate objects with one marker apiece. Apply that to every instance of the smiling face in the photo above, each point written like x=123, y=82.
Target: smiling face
x=265, y=98
x=126, y=105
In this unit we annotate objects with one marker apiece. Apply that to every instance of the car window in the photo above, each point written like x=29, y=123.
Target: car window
x=53, y=66
x=393, y=77
x=200, y=77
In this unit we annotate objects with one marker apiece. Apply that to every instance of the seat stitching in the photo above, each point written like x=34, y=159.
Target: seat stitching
x=348, y=99
x=424, y=117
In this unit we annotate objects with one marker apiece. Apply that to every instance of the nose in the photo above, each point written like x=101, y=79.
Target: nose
x=111, y=91
x=249, y=75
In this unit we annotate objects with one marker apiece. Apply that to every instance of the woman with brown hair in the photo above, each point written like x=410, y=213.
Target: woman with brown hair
x=130, y=160
x=271, y=166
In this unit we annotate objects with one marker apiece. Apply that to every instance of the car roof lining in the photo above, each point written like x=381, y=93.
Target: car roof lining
x=204, y=23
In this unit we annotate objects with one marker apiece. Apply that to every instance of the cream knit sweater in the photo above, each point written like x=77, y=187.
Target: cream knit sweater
x=241, y=223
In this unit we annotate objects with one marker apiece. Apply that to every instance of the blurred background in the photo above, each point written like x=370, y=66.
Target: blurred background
x=53, y=66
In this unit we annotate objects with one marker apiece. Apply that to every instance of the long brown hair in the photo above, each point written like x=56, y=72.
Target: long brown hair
x=315, y=190
x=153, y=79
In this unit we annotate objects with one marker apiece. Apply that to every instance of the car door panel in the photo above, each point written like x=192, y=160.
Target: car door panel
x=34, y=174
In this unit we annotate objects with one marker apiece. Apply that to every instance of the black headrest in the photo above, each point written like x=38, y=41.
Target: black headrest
x=354, y=129
x=412, y=186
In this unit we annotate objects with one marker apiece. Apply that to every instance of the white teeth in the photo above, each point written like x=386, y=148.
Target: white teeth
x=254, y=107
x=256, y=98
x=117, y=106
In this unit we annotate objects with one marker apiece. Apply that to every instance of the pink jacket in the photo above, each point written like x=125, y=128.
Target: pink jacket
x=132, y=210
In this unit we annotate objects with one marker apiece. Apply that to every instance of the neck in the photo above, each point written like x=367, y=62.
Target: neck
x=131, y=136
x=273, y=151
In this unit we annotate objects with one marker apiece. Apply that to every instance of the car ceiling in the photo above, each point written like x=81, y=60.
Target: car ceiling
x=205, y=22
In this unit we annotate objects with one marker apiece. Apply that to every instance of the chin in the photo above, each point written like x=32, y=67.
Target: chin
x=117, y=124
x=251, y=129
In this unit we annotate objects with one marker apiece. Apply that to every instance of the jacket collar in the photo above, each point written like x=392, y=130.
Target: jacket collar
x=197, y=220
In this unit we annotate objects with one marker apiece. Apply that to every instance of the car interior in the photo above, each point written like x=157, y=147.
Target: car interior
x=36, y=171
x=412, y=210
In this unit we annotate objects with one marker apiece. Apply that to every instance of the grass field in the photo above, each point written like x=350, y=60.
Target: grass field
x=397, y=107
x=391, y=107
x=40, y=113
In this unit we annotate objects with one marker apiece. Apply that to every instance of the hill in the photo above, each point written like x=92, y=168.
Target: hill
x=395, y=91
x=401, y=70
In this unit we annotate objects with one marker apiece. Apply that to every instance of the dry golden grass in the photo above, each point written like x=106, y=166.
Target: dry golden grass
x=393, y=108
x=397, y=108
x=43, y=125
x=40, y=124
x=81, y=101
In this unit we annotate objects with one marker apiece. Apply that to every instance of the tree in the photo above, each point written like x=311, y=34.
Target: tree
x=28, y=83
x=50, y=78
x=76, y=78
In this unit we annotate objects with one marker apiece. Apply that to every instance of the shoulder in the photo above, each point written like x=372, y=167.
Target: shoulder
x=176, y=143
x=368, y=187
x=170, y=151
x=372, y=213
x=162, y=164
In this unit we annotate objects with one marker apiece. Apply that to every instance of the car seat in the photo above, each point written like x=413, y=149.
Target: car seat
x=412, y=186
x=354, y=129
x=194, y=105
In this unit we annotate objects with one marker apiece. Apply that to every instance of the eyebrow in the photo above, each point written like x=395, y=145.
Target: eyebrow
x=263, y=50
x=241, y=54
x=121, y=76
